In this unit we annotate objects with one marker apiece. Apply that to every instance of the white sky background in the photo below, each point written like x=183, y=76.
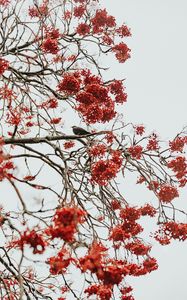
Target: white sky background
x=157, y=96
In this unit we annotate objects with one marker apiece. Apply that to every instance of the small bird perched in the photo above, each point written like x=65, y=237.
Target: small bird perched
x=79, y=131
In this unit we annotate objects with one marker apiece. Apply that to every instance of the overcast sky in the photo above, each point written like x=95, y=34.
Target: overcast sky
x=157, y=89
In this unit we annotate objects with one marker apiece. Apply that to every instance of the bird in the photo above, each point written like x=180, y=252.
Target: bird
x=79, y=131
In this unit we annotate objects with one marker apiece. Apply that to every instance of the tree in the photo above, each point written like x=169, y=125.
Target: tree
x=69, y=216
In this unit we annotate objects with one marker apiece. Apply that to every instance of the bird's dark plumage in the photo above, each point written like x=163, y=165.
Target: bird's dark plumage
x=79, y=131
